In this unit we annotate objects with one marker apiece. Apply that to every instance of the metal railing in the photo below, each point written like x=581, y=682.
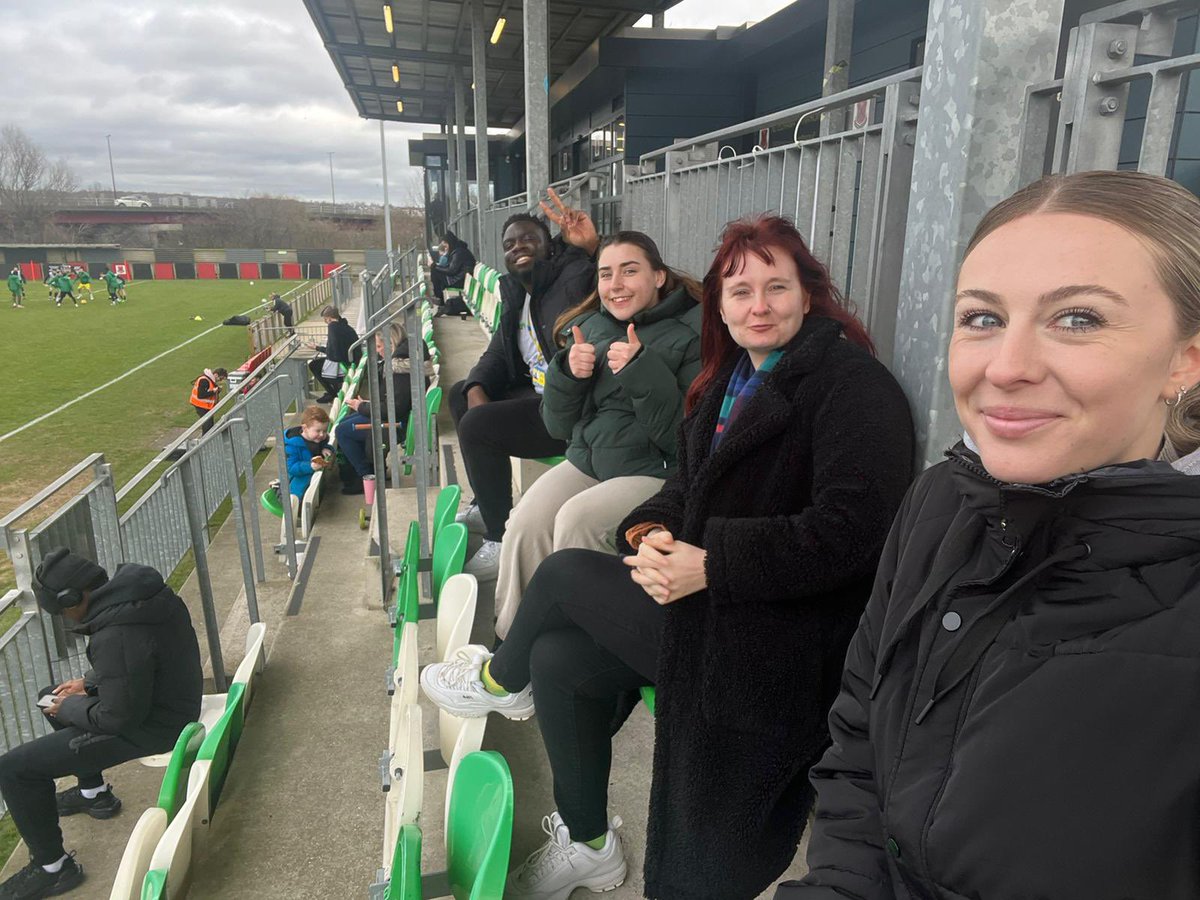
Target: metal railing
x=334, y=289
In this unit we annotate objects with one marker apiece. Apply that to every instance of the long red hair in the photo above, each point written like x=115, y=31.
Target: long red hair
x=763, y=235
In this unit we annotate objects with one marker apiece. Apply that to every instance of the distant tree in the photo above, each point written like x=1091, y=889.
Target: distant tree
x=31, y=185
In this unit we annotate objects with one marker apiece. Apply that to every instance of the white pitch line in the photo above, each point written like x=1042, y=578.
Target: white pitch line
x=121, y=377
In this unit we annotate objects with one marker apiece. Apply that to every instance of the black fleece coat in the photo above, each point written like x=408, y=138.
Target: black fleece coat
x=792, y=509
x=460, y=262
x=340, y=335
x=559, y=282
x=145, y=682
x=1018, y=717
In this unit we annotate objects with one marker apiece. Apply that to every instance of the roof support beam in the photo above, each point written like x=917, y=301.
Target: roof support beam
x=429, y=56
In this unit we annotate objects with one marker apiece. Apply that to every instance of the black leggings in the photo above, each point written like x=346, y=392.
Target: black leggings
x=584, y=635
x=488, y=435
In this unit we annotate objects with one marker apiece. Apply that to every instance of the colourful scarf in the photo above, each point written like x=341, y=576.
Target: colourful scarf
x=743, y=385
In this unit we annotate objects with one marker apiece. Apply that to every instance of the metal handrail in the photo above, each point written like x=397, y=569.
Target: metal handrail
x=842, y=98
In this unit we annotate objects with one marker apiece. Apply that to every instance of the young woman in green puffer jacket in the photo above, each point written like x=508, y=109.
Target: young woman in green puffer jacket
x=615, y=393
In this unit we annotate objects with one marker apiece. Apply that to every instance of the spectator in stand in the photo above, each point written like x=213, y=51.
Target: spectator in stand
x=745, y=577
x=143, y=687
x=329, y=369
x=460, y=262
x=497, y=408
x=285, y=312
x=352, y=438
x=206, y=390
x=16, y=287
x=307, y=449
x=1017, y=715
x=615, y=393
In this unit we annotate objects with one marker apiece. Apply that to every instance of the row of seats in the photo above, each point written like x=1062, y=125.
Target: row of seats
x=481, y=290
x=171, y=834
x=477, y=818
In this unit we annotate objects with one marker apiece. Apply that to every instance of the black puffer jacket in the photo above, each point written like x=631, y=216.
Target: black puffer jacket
x=339, y=337
x=559, y=282
x=1018, y=716
x=145, y=683
x=792, y=510
x=460, y=262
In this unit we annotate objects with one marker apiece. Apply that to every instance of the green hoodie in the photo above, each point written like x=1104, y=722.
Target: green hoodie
x=626, y=424
x=15, y=282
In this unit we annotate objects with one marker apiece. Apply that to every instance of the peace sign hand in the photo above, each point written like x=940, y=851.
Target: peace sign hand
x=576, y=226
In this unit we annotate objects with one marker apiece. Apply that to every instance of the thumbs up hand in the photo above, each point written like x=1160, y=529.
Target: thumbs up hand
x=621, y=352
x=582, y=357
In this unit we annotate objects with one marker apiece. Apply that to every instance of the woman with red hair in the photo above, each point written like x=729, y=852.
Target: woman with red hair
x=744, y=578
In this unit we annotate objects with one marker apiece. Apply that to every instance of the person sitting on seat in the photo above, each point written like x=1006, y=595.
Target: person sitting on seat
x=497, y=407
x=743, y=581
x=329, y=369
x=352, y=438
x=206, y=390
x=307, y=449
x=143, y=687
x=452, y=275
x=615, y=392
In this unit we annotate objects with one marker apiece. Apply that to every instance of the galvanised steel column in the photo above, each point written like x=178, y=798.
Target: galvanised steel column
x=198, y=527
x=460, y=143
x=255, y=528
x=537, y=100
x=387, y=207
x=451, y=169
x=839, y=29
x=285, y=492
x=239, y=515
x=980, y=54
x=483, y=171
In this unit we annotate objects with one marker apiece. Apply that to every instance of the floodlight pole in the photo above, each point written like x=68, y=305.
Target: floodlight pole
x=111, y=171
x=332, y=192
x=387, y=208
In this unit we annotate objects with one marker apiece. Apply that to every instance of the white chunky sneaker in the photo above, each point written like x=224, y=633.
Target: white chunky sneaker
x=562, y=865
x=472, y=518
x=456, y=687
x=485, y=564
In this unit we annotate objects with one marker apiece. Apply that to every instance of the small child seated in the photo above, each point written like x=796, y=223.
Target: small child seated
x=307, y=448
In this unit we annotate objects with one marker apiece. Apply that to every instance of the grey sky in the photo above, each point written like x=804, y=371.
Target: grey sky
x=226, y=97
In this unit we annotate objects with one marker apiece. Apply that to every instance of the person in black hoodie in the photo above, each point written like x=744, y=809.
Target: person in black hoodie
x=144, y=686
x=460, y=262
x=1017, y=716
x=497, y=407
x=329, y=369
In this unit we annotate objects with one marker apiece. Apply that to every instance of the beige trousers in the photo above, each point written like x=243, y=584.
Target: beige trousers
x=564, y=508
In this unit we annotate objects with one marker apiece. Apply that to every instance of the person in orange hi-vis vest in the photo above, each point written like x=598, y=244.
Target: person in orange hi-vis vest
x=205, y=391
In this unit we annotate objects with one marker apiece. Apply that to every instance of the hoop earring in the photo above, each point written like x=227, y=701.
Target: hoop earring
x=1178, y=397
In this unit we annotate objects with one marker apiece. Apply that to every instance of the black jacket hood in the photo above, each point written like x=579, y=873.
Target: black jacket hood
x=130, y=597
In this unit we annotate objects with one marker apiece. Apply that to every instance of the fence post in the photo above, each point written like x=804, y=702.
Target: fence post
x=239, y=517
x=255, y=529
x=197, y=525
x=385, y=555
x=285, y=492
x=420, y=424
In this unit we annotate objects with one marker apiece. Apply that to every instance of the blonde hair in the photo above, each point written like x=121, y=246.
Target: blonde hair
x=1163, y=215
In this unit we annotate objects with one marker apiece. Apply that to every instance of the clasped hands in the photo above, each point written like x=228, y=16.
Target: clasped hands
x=582, y=357
x=667, y=569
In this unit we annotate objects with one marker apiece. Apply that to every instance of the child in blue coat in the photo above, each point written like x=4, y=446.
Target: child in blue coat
x=307, y=448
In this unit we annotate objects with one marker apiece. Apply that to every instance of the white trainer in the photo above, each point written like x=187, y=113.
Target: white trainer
x=562, y=865
x=472, y=518
x=485, y=564
x=456, y=686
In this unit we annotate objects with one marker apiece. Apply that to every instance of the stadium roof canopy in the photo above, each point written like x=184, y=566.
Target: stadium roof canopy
x=431, y=37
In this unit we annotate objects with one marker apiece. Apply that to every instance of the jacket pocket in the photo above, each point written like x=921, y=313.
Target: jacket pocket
x=762, y=674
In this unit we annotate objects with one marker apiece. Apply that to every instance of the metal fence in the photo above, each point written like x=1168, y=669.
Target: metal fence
x=334, y=289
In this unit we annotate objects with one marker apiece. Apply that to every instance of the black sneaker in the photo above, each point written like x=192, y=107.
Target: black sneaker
x=104, y=805
x=33, y=881
x=326, y=398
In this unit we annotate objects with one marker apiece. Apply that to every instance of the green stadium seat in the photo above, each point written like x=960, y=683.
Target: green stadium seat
x=218, y=749
x=648, y=697
x=405, y=869
x=479, y=833
x=171, y=861
x=551, y=460
x=433, y=403
x=172, y=792
x=448, y=556
x=135, y=861
x=271, y=503
x=445, y=509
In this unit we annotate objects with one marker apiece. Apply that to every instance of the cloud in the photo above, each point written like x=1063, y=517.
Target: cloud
x=225, y=98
